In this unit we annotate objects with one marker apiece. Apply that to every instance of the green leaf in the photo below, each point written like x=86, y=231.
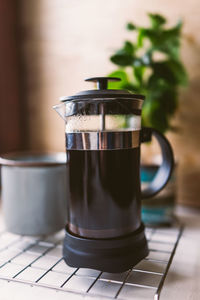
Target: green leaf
x=153, y=116
x=146, y=112
x=142, y=33
x=167, y=41
x=171, y=48
x=174, y=31
x=139, y=72
x=171, y=71
x=130, y=26
x=156, y=20
x=118, y=85
x=160, y=104
x=170, y=41
x=132, y=87
x=124, y=83
x=122, y=59
x=158, y=119
x=124, y=56
x=169, y=101
x=128, y=48
x=161, y=70
x=178, y=71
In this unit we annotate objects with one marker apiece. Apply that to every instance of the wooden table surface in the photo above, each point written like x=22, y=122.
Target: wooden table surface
x=182, y=282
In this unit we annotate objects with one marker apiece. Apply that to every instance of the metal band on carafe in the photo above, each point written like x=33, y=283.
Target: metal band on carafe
x=102, y=140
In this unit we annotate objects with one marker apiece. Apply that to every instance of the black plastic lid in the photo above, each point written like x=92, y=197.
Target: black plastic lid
x=102, y=91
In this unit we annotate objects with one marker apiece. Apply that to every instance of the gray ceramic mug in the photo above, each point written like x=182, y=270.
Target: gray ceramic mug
x=34, y=192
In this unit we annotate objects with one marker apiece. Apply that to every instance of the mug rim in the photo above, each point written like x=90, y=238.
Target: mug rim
x=33, y=159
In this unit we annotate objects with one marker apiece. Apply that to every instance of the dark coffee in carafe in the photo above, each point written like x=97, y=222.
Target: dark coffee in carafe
x=103, y=136
x=104, y=187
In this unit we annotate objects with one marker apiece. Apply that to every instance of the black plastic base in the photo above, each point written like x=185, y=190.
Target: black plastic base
x=107, y=255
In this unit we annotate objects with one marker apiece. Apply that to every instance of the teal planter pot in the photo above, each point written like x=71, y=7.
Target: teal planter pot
x=158, y=210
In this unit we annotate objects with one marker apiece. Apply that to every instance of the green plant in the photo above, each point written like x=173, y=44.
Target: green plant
x=151, y=65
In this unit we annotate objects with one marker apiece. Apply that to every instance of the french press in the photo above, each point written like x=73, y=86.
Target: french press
x=103, y=136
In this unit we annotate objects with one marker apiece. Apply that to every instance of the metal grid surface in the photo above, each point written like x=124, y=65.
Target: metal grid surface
x=38, y=261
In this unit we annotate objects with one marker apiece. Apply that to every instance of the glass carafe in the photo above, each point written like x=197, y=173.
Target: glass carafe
x=103, y=136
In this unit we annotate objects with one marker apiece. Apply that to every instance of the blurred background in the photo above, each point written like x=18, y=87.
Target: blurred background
x=48, y=47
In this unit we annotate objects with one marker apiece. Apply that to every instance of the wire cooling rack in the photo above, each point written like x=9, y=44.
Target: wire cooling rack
x=37, y=261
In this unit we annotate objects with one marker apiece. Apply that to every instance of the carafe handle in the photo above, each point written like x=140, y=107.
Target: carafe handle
x=165, y=170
